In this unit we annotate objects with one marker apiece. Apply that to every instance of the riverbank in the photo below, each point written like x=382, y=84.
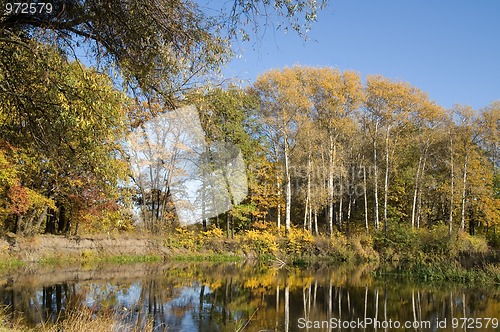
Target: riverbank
x=298, y=247
x=425, y=255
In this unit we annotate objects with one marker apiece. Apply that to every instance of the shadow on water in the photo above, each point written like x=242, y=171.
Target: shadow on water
x=245, y=297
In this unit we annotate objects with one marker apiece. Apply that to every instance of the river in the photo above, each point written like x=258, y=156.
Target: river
x=248, y=297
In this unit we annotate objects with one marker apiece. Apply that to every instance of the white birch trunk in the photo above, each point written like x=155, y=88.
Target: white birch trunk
x=415, y=193
x=375, y=177
x=419, y=204
x=331, y=163
x=288, y=191
x=464, y=192
x=386, y=182
x=365, y=194
x=308, y=195
x=452, y=193
x=341, y=204
x=316, y=221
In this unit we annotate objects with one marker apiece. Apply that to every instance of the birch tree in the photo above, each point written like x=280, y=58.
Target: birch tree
x=388, y=105
x=335, y=96
x=283, y=105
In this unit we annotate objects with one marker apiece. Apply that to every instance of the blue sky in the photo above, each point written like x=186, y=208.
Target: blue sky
x=449, y=49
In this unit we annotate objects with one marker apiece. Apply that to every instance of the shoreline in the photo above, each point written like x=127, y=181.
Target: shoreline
x=477, y=266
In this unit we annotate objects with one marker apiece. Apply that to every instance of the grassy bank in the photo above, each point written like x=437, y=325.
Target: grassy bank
x=10, y=263
x=94, y=258
x=434, y=256
x=443, y=272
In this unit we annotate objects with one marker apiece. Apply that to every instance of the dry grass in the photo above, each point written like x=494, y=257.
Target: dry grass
x=82, y=319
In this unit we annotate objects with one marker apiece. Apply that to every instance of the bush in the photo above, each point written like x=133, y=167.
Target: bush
x=298, y=242
x=182, y=238
x=262, y=242
x=362, y=247
x=493, y=239
x=400, y=243
x=471, y=244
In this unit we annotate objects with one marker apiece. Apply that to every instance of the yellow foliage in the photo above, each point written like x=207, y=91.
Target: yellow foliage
x=213, y=233
x=263, y=242
x=298, y=241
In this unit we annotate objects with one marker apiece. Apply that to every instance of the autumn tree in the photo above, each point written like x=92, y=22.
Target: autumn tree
x=490, y=143
x=62, y=122
x=389, y=105
x=467, y=135
x=334, y=96
x=422, y=164
x=283, y=107
x=229, y=117
x=477, y=136
x=425, y=118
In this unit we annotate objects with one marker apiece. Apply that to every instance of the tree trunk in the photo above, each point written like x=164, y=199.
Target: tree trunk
x=452, y=163
x=310, y=219
x=308, y=195
x=316, y=221
x=41, y=219
x=331, y=166
x=305, y=214
x=375, y=176
x=464, y=192
x=420, y=190
x=349, y=207
x=278, y=188
x=365, y=194
x=415, y=193
x=278, y=218
x=288, y=191
x=386, y=182
x=341, y=204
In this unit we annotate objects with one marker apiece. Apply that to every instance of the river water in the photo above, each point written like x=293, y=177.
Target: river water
x=247, y=297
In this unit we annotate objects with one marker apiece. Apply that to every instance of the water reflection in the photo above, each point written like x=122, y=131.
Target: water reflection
x=245, y=297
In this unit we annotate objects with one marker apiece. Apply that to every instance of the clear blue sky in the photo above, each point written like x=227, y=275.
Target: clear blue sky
x=449, y=49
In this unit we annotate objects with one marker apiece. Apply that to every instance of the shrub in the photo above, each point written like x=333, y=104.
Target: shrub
x=493, y=239
x=436, y=243
x=362, y=247
x=400, y=243
x=182, y=238
x=262, y=242
x=298, y=241
x=471, y=244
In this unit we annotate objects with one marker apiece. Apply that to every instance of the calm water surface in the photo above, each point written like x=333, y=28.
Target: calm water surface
x=244, y=297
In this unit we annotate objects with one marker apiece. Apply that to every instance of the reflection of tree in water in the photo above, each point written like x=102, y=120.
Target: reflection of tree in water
x=234, y=297
x=42, y=305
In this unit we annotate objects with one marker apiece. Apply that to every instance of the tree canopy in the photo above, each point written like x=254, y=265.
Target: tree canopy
x=156, y=47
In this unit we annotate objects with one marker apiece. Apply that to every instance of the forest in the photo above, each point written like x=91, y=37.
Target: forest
x=324, y=150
